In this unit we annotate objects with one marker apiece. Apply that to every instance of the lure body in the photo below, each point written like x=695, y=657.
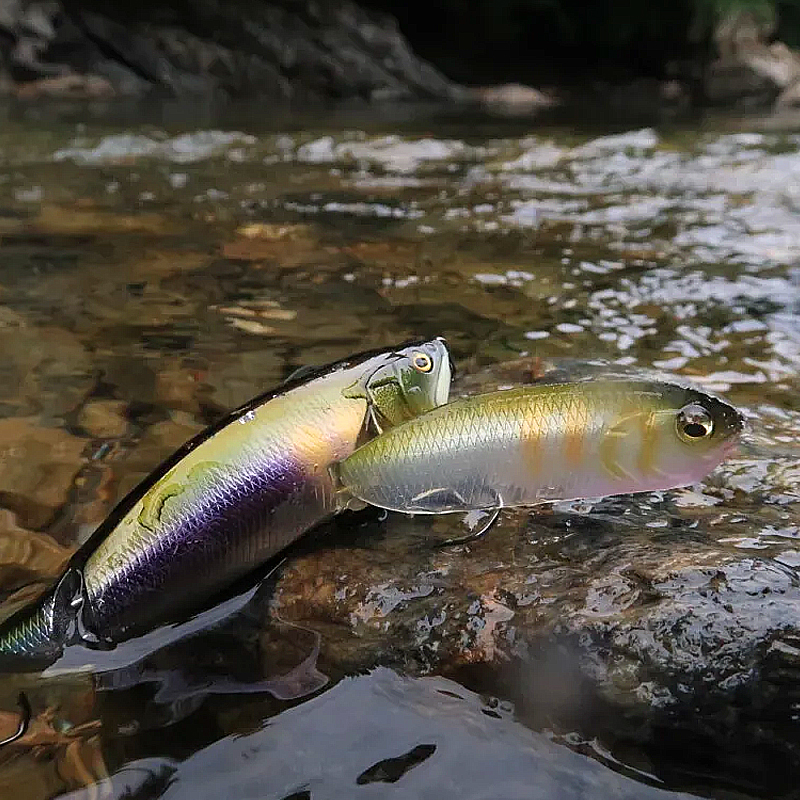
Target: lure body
x=539, y=443
x=229, y=499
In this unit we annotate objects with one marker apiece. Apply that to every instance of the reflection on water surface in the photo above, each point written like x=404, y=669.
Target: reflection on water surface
x=157, y=273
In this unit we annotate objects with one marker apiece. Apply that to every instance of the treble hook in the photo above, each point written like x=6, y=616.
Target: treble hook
x=494, y=513
x=24, y=720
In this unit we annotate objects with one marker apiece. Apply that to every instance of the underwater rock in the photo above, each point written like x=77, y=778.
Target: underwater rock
x=286, y=245
x=235, y=380
x=38, y=466
x=44, y=370
x=25, y=555
x=104, y=419
x=61, y=749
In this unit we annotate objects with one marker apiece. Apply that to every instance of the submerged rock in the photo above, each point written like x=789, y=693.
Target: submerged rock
x=39, y=466
x=104, y=419
x=25, y=555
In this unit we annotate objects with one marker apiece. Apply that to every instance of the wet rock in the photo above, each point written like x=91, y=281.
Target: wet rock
x=26, y=771
x=749, y=67
x=730, y=80
x=147, y=383
x=37, y=468
x=134, y=379
x=237, y=379
x=619, y=631
x=278, y=50
x=60, y=750
x=258, y=317
x=286, y=245
x=177, y=387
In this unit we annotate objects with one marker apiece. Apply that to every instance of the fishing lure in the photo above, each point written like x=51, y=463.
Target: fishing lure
x=227, y=501
x=529, y=445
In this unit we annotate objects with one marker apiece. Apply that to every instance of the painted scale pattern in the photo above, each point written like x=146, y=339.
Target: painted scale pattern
x=39, y=630
x=529, y=445
x=228, y=500
x=237, y=499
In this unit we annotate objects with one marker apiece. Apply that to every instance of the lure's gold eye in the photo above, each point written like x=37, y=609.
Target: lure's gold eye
x=422, y=362
x=694, y=422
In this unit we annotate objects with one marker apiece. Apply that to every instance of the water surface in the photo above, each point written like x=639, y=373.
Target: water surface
x=160, y=268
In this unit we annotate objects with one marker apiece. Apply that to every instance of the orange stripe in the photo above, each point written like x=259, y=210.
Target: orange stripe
x=532, y=444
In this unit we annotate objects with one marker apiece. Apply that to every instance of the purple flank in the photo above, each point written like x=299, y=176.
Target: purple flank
x=230, y=522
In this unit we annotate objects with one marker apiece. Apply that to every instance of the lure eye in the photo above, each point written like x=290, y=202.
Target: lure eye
x=422, y=362
x=694, y=422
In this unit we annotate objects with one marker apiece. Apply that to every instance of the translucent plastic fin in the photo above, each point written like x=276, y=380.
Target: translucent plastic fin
x=478, y=523
x=372, y=425
x=436, y=501
x=342, y=497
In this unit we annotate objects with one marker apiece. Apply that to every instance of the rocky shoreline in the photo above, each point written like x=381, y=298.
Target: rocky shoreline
x=290, y=51
x=300, y=51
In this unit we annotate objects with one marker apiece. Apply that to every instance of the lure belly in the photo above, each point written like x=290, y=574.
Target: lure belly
x=228, y=500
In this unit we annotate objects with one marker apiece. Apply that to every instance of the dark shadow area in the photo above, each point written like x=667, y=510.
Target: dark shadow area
x=543, y=42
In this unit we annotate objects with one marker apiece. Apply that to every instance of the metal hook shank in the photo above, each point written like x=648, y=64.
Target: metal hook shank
x=24, y=720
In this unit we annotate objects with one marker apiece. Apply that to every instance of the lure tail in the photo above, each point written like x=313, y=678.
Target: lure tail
x=35, y=636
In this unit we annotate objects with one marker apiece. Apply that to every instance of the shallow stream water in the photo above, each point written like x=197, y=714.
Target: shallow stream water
x=158, y=268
